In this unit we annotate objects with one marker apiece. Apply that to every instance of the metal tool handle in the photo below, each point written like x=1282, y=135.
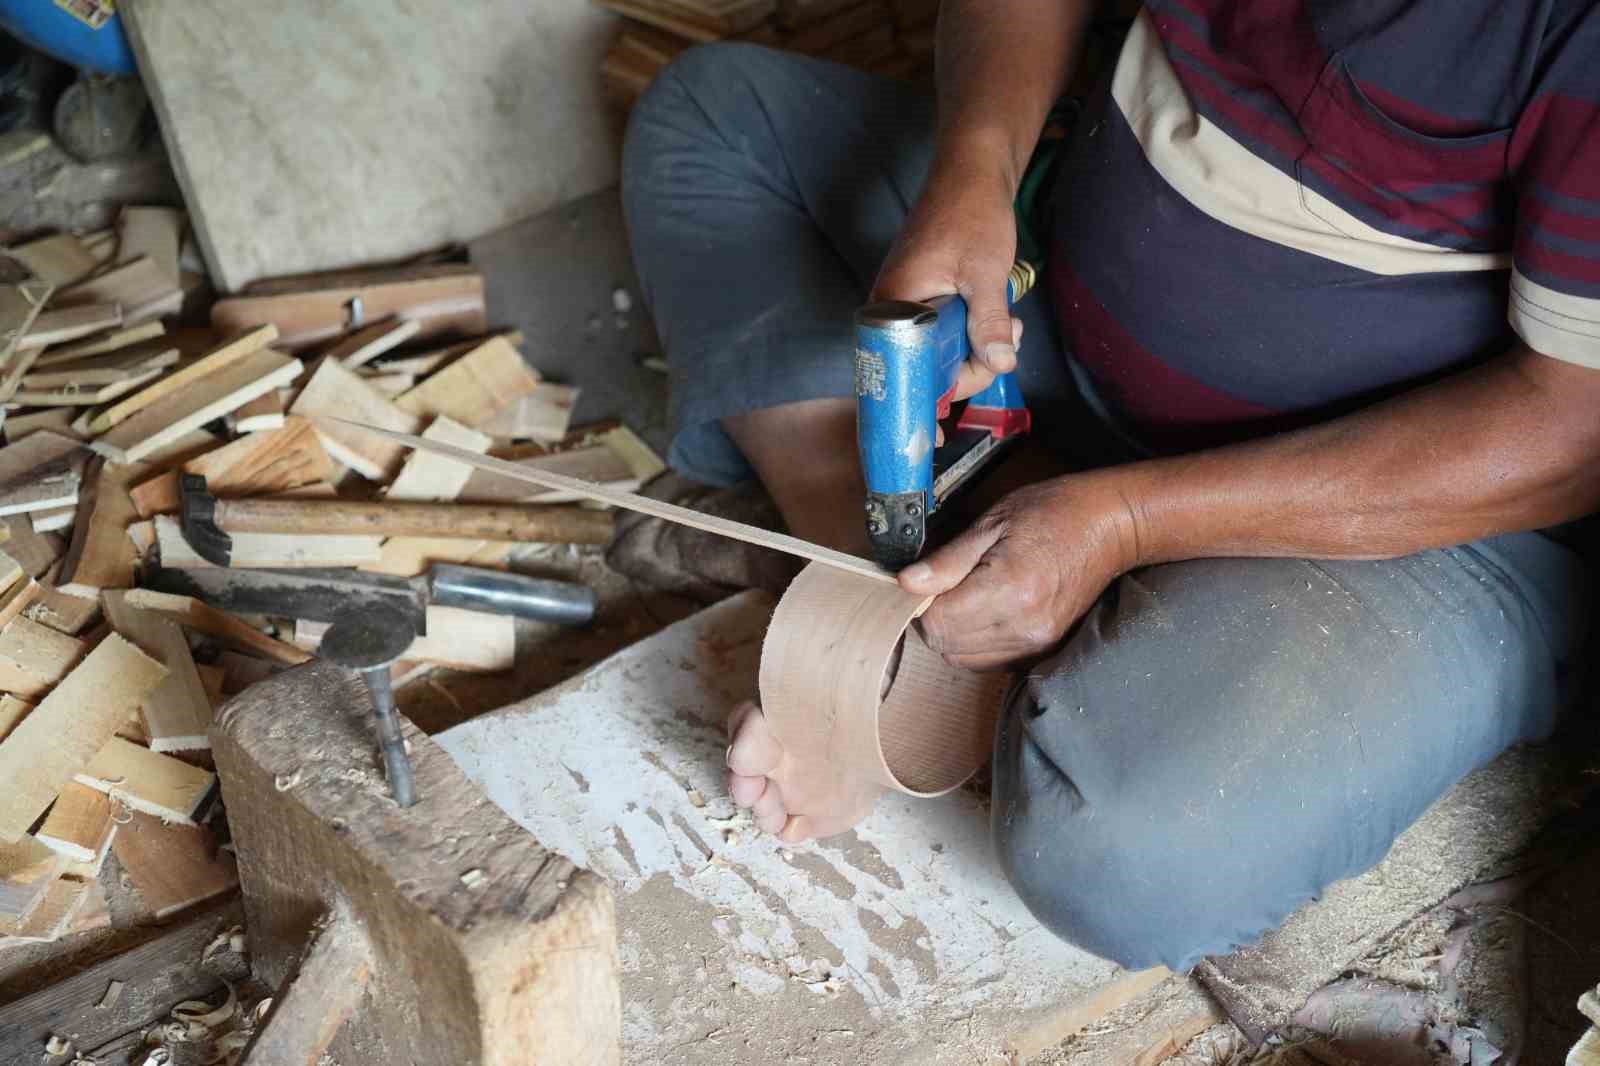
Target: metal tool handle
x=563, y=602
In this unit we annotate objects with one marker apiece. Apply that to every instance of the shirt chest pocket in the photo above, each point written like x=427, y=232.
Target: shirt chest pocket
x=1361, y=152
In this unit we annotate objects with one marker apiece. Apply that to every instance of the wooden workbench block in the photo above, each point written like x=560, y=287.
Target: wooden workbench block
x=486, y=947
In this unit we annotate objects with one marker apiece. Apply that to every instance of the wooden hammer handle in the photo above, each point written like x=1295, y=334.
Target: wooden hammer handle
x=547, y=524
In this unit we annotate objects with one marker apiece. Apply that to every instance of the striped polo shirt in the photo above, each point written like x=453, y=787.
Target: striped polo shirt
x=1277, y=210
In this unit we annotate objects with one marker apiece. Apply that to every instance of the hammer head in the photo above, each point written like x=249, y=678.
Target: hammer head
x=198, y=520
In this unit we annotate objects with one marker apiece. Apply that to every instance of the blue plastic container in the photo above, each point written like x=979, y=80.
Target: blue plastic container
x=62, y=35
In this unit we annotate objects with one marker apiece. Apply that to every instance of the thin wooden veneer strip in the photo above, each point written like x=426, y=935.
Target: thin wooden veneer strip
x=844, y=678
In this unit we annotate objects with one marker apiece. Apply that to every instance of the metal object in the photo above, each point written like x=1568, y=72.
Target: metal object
x=321, y=595
x=367, y=640
x=908, y=360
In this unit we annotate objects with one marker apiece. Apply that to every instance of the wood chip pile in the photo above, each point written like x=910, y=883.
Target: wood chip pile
x=893, y=38
x=107, y=689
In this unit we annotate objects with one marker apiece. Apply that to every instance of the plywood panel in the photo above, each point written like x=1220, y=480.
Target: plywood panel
x=448, y=121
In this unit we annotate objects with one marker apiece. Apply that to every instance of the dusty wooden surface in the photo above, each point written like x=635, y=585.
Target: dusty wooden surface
x=486, y=946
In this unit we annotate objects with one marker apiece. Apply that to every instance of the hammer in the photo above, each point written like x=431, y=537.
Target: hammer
x=206, y=521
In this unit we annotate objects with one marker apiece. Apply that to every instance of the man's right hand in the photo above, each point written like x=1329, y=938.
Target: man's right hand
x=961, y=237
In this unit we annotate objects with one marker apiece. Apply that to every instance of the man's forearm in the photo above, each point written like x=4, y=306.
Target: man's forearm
x=1511, y=445
x=1001, y=66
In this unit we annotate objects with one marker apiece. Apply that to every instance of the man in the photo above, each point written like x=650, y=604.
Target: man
x=1332, y=270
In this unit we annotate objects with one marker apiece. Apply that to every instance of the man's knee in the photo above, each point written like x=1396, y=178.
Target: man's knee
x=1102, y=874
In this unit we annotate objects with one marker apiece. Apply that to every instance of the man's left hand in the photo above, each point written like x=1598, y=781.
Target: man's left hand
x=1010, y=587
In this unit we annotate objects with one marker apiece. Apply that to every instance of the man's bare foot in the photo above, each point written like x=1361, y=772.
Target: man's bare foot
x=794, y=800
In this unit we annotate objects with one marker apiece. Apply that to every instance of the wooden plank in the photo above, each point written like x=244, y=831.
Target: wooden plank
x=226, y=390
x=433, y=477
x=94, y=910
x=39, y=472
x=333, y=389
x=138, y=285
x=117, y=339
x=27, y=869
x=59, y=260
x=63, y=613
x=13, y=710
x=21, y=362
x=271, y=550
x=471, y=389
x=259, y=415
x=19, y=427
x=410, y=556
x=88, y=396
x=36, y=553
x=212, y=678
x=644, y=505
x=460, y=639
x=11, y=573
x=79, y=824
x=365, y=345
x=390, y=385
x=147, y=780
x=234, y=351
x=69, y=727
x=445, y=299
x=162, y=970
x=100, y=555
x=173, y=867
x=256, y=465
x=188, y=611
x=544, y=415
x=70, y=323
x=177, y=712
x=35, y=658
x=53, y=519
x=152, y=232
x=111, y=368
x=50, y=919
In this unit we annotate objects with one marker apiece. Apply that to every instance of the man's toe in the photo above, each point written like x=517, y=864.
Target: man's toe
x=755, y=752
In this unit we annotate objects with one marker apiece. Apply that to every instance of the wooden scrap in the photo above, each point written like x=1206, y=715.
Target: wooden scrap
x=544, y=415
x=239, y=672
x=390, y=385
x=270, y=550
x=177, y=712
x=260, y=464
x=59, y=260
x=162, y=970
x=35, y=658
x=202, y=617
x=100, y=555
x=332, y=389
x=117, y=339
x=74, y=396
x=138, y=285
x=42, y=471
x=111, y=368
x=236, y=350
x=79, y=824
x=65, y=614
x=460, y=639
x=212, y=679
x=151, y=232
x=102, y=244
x=53, y=519
x=217, y=394
x=69, y=727
x=444, y=298
x=365, y=345
x=173, y=867
x=93, y=911
x=410, y=556
x=434, y=477
x=471, y=389
x=70, y=323
x=55, y=419
x=259, y=415
x=20, y=305
x=11, y=572
x=51, y=918
x=27, y=869
x=147, y=781
x=12, y=711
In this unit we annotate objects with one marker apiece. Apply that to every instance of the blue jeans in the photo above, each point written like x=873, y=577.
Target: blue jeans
x=1219, y=739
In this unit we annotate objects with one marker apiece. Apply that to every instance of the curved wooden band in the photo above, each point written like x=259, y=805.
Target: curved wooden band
x=832, y=688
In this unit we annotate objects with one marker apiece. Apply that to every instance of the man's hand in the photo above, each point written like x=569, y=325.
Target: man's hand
x=1011, y=586
x=961, y=237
